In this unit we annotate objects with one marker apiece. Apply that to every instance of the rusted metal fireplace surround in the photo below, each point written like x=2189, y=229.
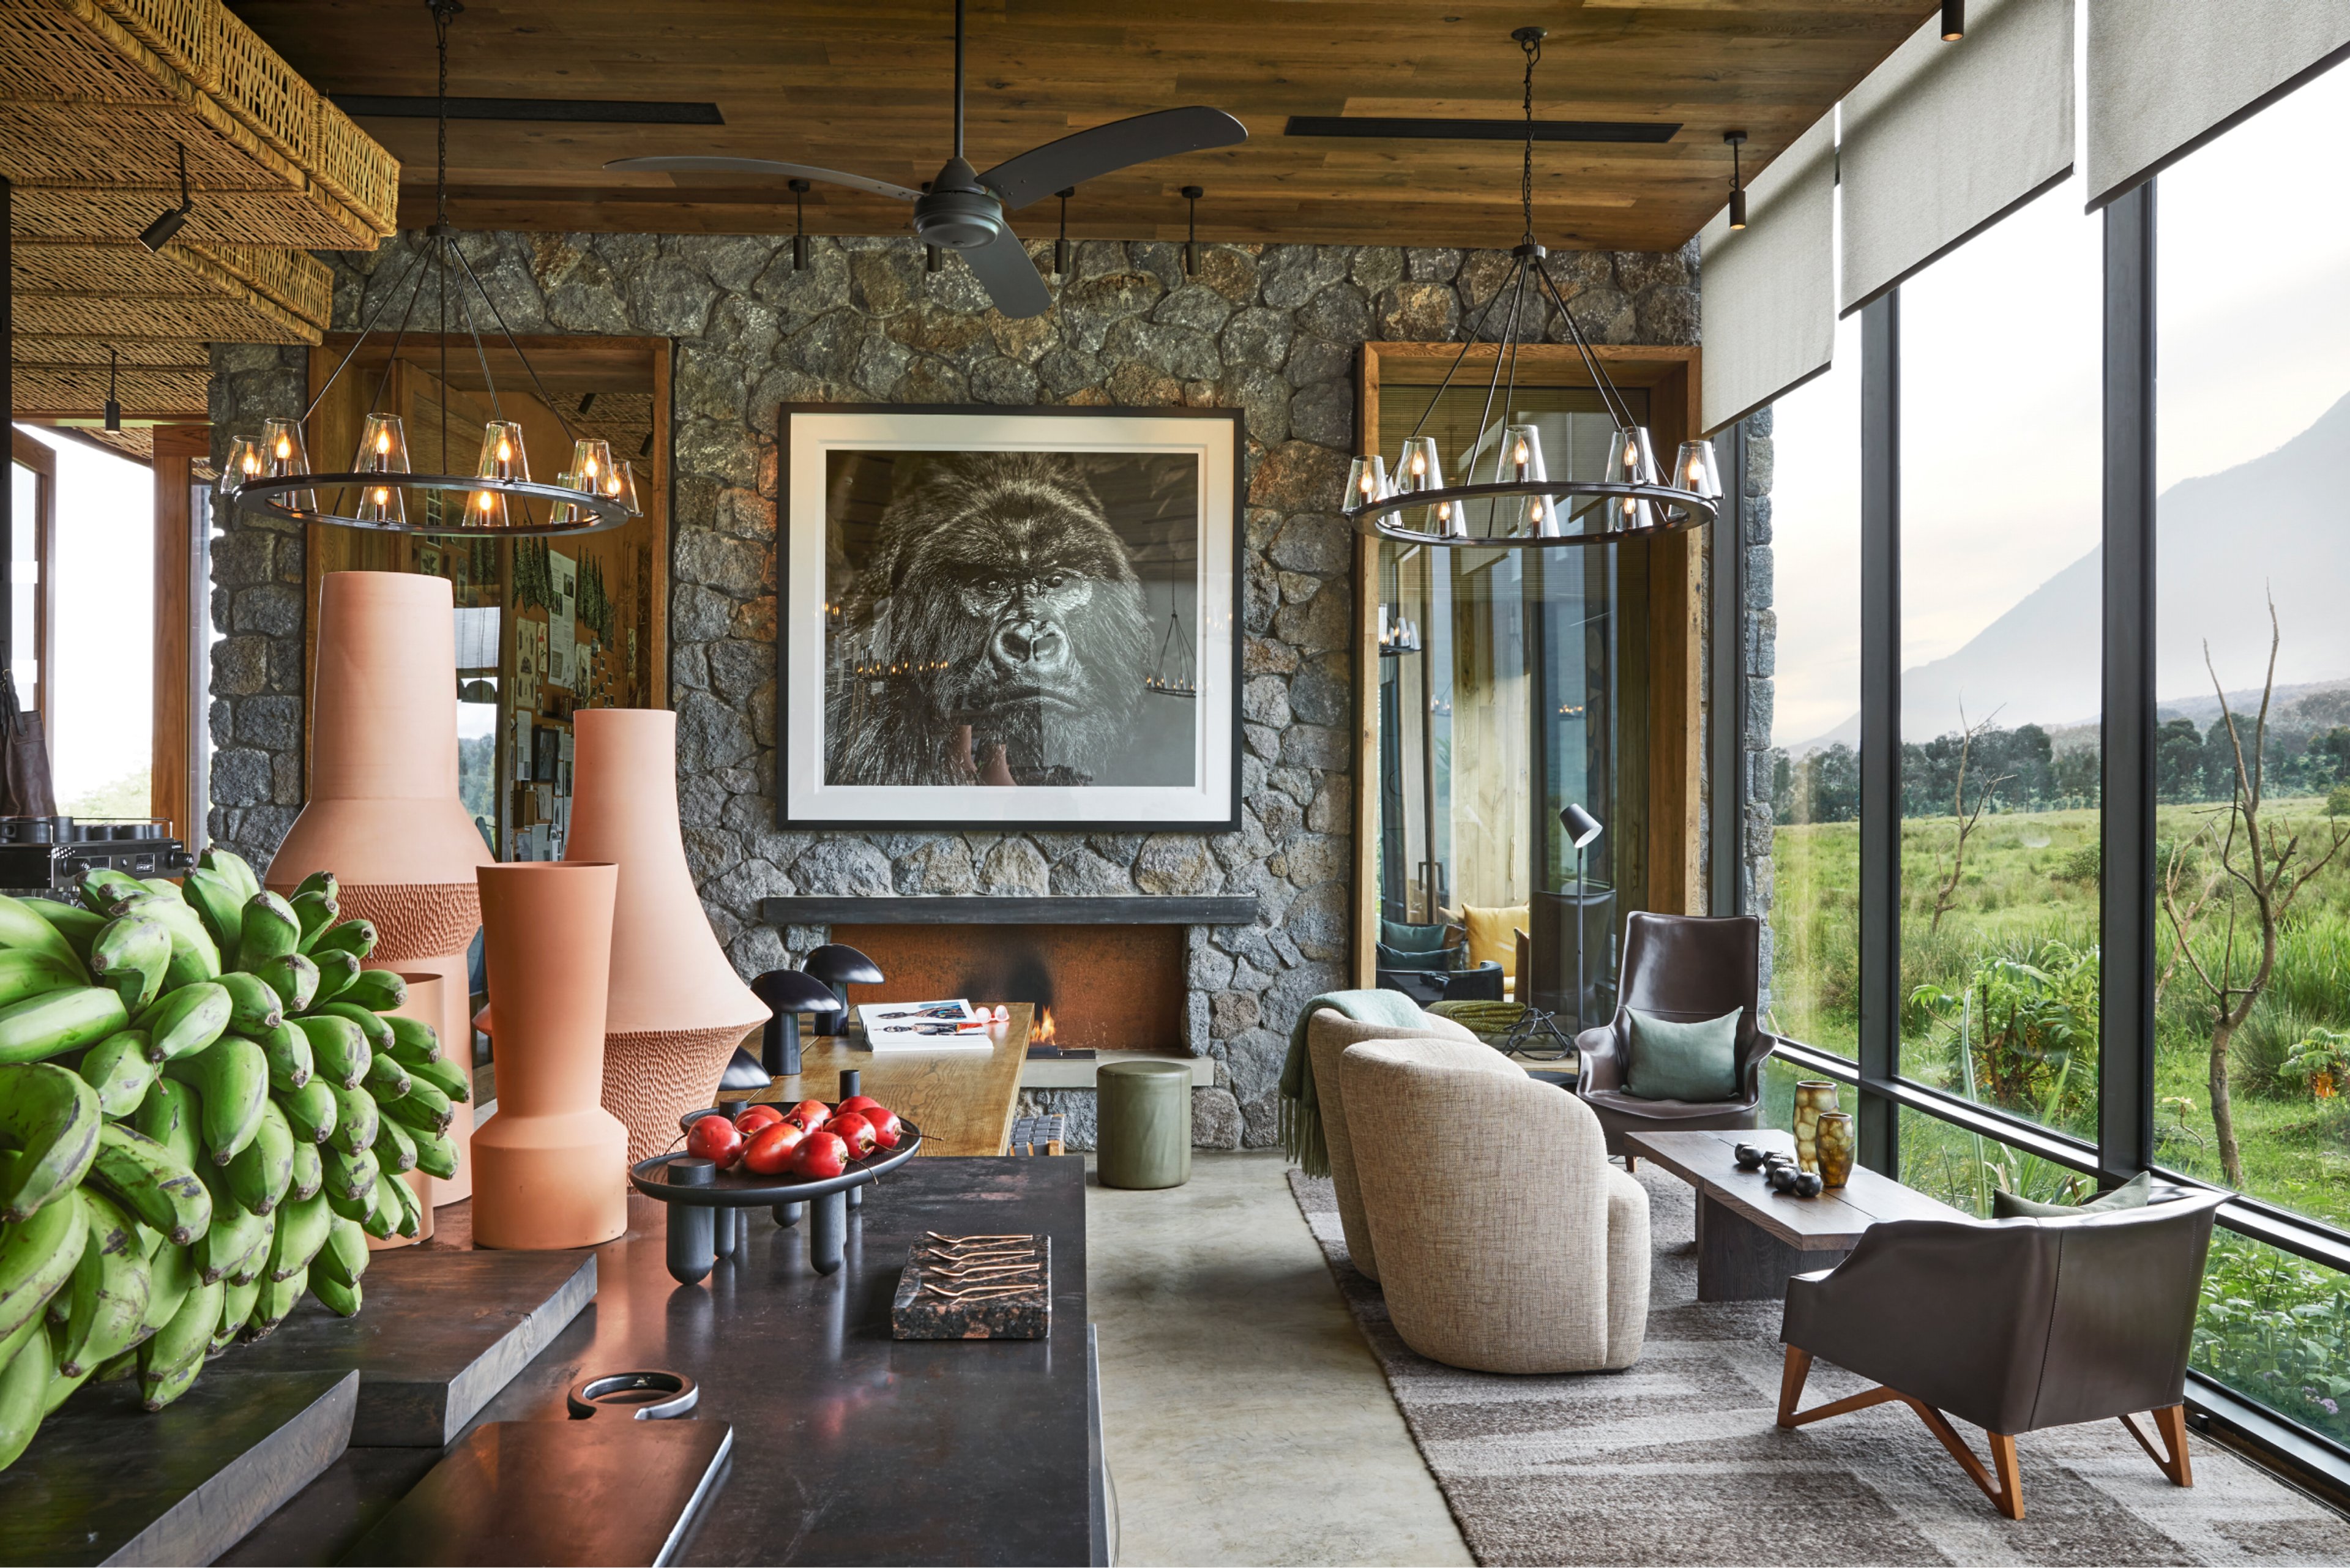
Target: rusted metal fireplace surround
x=1114, y=971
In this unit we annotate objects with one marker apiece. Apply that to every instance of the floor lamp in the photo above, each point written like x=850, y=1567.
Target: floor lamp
x=1582, y=827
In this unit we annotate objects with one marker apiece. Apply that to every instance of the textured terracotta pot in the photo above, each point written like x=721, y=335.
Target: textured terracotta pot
x=676, y=1009
x=425, y=1004
x=383, y=814
x=550, y=1170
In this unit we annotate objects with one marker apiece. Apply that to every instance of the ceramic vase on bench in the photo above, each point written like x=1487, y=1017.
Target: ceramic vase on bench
x=550, y=1168
x=676, y=1009
x=382, y=811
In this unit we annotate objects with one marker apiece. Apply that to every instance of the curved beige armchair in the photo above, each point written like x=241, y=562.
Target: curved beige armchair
x=1328, y=1033
x=1507, y=1242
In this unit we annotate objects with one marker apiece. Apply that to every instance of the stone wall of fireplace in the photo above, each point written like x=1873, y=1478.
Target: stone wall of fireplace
x=1272, y=330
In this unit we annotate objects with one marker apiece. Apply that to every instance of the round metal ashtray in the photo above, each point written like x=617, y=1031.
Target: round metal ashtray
x=642, y=1395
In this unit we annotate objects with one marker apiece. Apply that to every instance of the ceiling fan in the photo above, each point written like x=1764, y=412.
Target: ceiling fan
x=963, y=210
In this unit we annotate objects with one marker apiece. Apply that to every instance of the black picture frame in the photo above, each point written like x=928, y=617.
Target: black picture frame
x=1230, y=821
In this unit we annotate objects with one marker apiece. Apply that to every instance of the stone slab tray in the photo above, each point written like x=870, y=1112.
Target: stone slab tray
x=604, y=1491
x=107, y=1482
x=443, y=1329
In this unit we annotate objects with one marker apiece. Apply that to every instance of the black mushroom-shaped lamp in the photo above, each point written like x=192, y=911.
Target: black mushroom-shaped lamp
x=840, y=967
x=789, y=992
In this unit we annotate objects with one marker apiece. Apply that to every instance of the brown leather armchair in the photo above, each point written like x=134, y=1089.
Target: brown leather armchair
x=2014, y=1325
x=1685, y=969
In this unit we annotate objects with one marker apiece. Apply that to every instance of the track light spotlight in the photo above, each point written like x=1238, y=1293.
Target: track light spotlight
x=157, y=234
x=113, y=403
x=1954, y=20
x=1736, y=139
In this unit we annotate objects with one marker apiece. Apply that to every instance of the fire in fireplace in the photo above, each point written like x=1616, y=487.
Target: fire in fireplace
x=1109, y=987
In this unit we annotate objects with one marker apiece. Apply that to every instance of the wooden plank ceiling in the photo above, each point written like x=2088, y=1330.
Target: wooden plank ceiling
x=865, y=86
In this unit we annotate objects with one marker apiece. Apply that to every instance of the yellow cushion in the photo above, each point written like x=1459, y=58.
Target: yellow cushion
x=1493, y=935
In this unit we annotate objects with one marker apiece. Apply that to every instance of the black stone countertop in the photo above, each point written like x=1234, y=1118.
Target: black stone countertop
x=849, y=1446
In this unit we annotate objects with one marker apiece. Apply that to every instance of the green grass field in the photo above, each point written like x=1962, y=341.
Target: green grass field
x=2030, y=882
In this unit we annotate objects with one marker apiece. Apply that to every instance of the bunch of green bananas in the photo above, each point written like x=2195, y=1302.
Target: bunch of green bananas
x=204, y=1114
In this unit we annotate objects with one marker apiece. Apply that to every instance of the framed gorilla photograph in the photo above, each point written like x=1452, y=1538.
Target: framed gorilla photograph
x=1009, y=617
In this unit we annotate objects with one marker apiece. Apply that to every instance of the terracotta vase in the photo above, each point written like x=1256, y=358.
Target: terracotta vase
x=426, y=1005
x=382, y=812
x=550, y=1170
x=676, y=1009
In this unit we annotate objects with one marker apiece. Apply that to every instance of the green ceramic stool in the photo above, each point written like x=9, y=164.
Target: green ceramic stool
x=1146, y=1124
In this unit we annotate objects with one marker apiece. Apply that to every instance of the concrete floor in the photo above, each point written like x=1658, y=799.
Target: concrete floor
x=1243, y=1417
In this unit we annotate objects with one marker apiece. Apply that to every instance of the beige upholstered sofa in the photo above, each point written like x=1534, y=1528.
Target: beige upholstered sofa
x=1506, y=1241
x=1328, y=1035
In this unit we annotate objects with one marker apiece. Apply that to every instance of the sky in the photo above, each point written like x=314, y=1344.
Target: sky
x=2001, y=344
x=102, y=687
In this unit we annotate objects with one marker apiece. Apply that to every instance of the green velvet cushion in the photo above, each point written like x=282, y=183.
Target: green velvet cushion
x=1396, y=958
x=2130, y=1194
x=1407, y=938
x=1670, y=1061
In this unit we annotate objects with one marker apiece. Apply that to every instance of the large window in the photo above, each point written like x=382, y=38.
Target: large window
x=1815, y=884
x=2002, y=1055
x=2252, y=682
x=2000, y=663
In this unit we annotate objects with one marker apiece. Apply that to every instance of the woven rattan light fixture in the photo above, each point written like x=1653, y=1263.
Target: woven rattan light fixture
x=1521, y=506
x=499, y=497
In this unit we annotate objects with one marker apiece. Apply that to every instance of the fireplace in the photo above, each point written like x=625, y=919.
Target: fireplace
x=1108, y=987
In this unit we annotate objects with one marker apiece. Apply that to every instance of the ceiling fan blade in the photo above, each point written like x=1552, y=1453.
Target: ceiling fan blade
x=1004, y=269
x=761, y=166
x=1121, y=144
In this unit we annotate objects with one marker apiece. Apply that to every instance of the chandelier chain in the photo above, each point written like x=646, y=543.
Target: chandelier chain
x=1532, y=50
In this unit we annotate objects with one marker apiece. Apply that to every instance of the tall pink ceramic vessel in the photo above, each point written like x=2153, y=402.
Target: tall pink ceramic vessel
x=426, y=1005
x=676, y=1009
x=383, y=814
x=550, y=1170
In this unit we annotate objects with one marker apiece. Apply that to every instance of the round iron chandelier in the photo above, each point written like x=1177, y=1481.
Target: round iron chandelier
x=1519, y=506
x=271, y=475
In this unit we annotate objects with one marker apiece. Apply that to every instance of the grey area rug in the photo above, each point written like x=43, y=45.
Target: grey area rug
x=1679, y=1460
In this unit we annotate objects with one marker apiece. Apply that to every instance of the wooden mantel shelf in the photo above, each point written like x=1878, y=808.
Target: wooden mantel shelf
x=953, y=911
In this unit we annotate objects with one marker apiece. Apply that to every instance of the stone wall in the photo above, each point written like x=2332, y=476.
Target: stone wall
x=1759, y=626
x=1272, y=330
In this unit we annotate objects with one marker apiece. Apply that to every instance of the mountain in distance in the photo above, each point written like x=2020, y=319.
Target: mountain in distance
x=2279, y=523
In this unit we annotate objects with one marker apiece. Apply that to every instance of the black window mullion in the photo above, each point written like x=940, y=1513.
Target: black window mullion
x=1880, y=730
x=2127, y=815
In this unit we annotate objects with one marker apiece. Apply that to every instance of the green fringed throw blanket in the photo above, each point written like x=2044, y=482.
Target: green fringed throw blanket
x=1301, y=1113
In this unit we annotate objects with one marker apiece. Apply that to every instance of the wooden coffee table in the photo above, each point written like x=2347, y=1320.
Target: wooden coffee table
x=1749, y=1240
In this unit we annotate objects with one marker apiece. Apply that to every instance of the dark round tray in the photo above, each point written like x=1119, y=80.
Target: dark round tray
x=737, y=1190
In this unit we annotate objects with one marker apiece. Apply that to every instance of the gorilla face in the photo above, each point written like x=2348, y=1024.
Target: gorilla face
x=1016, y=602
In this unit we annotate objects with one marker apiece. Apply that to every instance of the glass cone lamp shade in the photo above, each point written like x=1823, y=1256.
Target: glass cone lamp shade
x=1367, y=480
x=1420, y=467
x=1632, y=456
x=1449, y=520
x=1520, y=461
x=620, y=485
x=385, y=505
x=383, y=446
x=284, y=455
x=592, y=465
x=1628, y=514
x=1694, y=470
x=244, y=461
x=486, y=509
x=502, y=456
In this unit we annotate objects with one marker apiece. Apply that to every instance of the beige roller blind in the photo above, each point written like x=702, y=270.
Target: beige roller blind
x=1767, y=310
x=1944, y=140
x=2167, y=75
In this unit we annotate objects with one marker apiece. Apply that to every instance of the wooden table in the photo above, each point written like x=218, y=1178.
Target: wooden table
x=1749, y=1240
x=962, y=1100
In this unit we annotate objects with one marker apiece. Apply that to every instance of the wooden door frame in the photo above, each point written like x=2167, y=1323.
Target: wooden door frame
x=38, y=456
x=182, y=628
x=1676, y=613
